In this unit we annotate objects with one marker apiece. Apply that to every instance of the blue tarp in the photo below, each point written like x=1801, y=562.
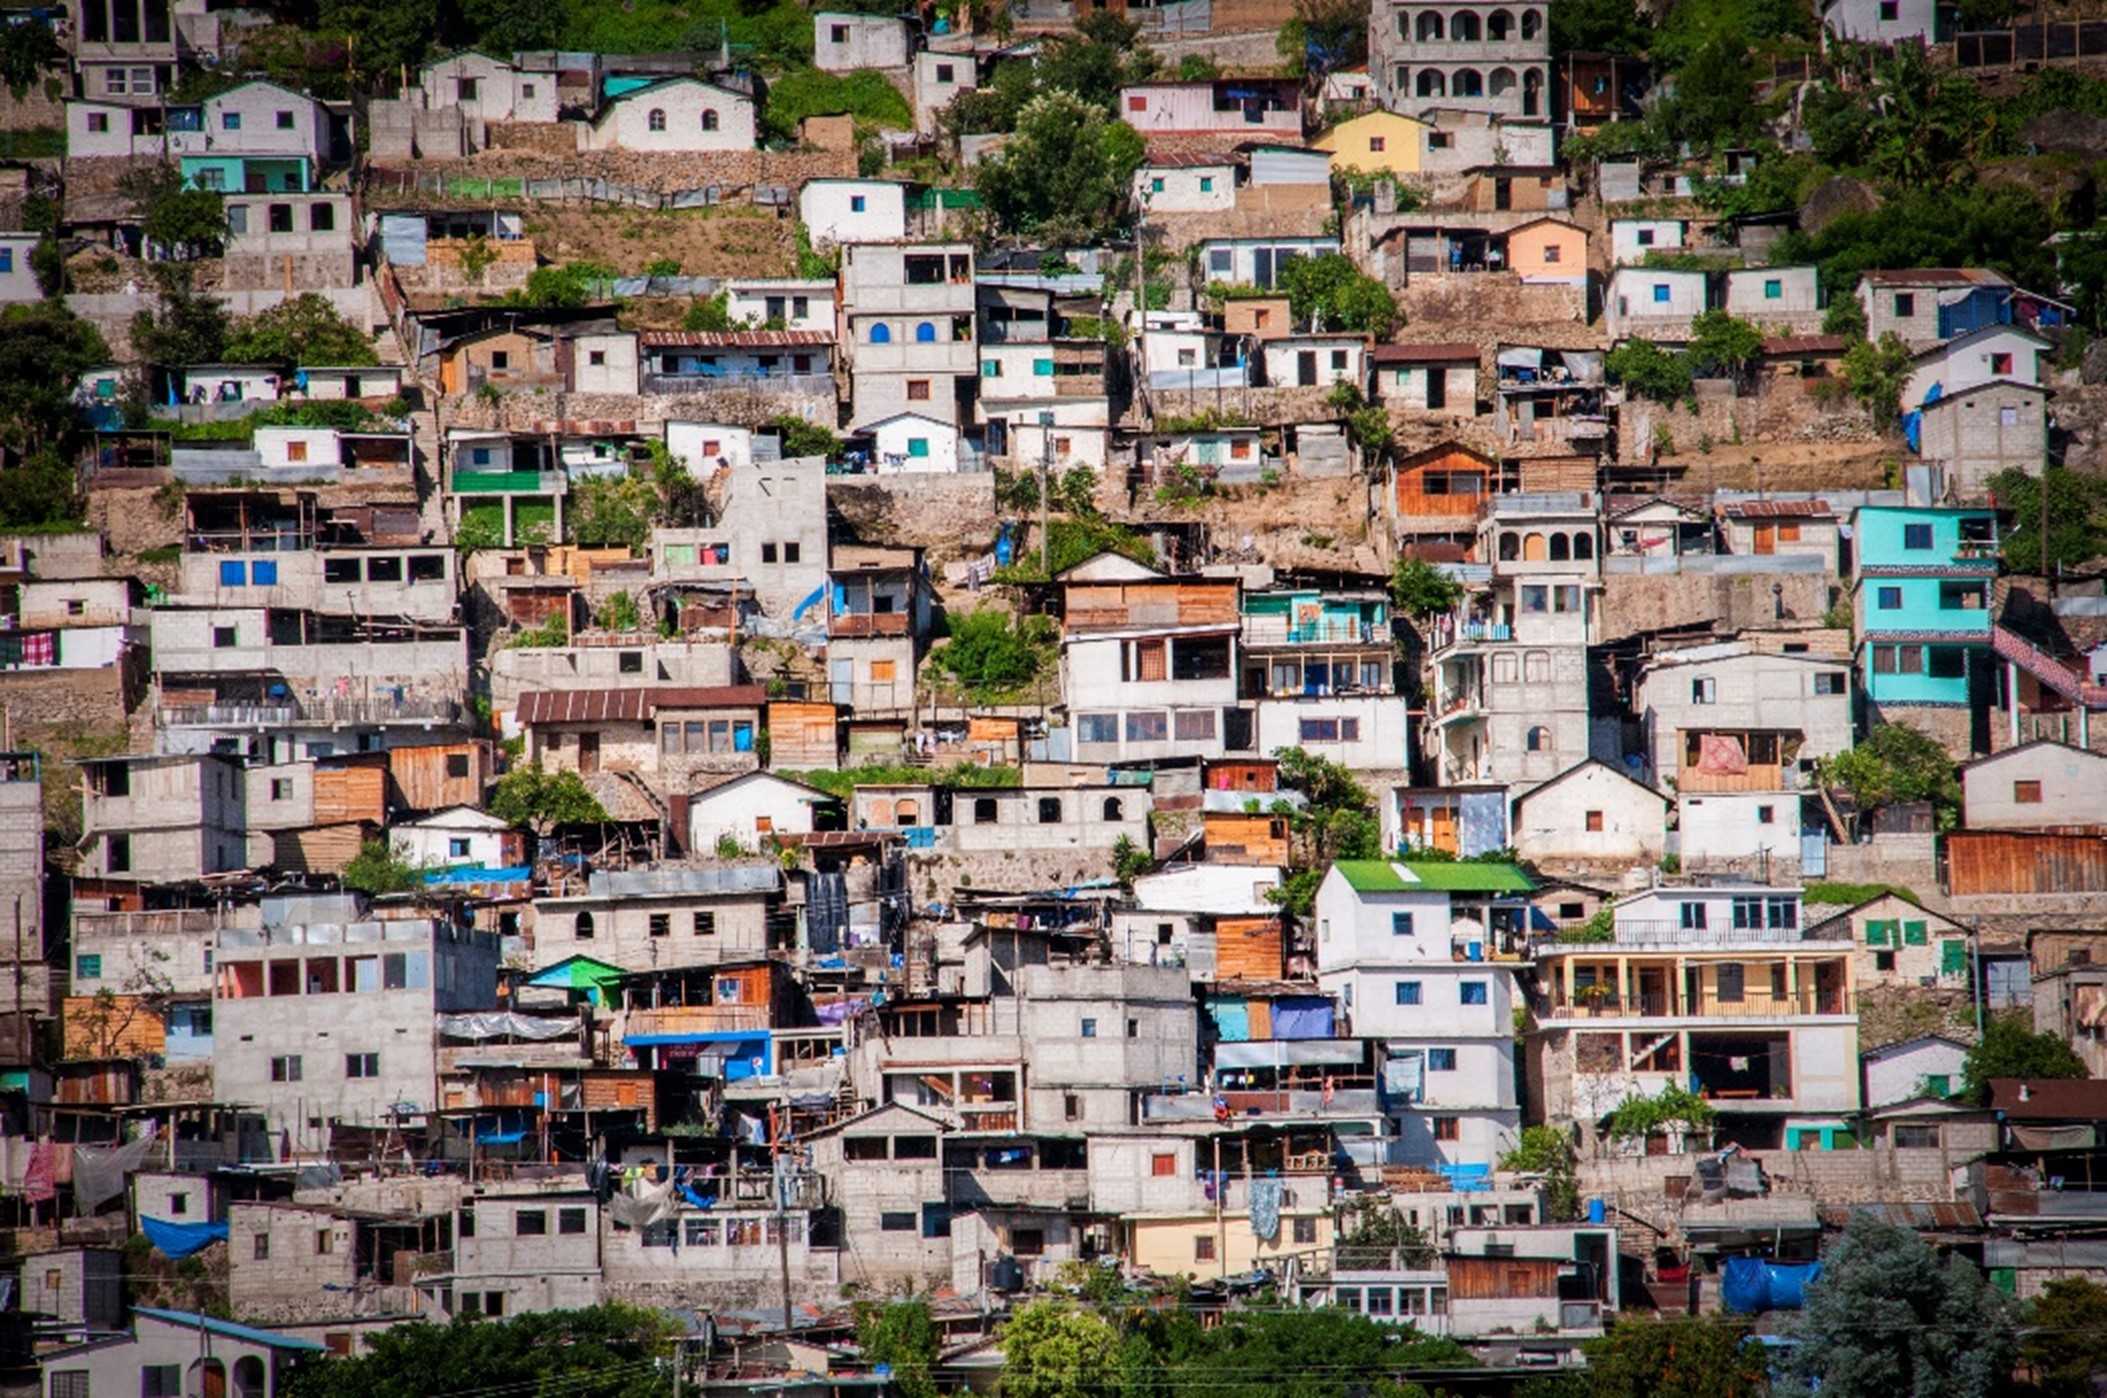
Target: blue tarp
x=1302, y=1018
x=471, y=874
x=177, y=1241
x=1749, y=1285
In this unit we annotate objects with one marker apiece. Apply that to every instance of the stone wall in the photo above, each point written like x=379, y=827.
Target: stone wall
x=521, y=410
x=68, y=699
x=1910, y=861
x=1266, y=407
x=1491, y=304
x=1639, y=1185
x=950, y=516
x=1633, y=604
x=1728, y=420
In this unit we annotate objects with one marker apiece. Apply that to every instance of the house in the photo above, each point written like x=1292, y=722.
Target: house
x=1899, y=943
x=1440, y=491
x=909, y=330
x=1477, y=56
x=664, y=731
x=1426, y=377
x=1979, y=433
x=177, y=1352
x=836, y=211
x=1466, y=821
x=1920, y=594
x=1925, y=305
x=1550, y=395
x=912, y=443
x=2070, y=1001
x=18, y=281
x=256, y=137
x=939, y=78
x=1315, y=360
x=787, y=303
x=1762, y=526
x=1321, y=668
x=1793, y=363
x=162, y=818
x=1653, y=303
x=2035, y=786
x=878, y=618
x=1885, y=22
x=1149, y=663
x=1186, y=184
x=1507, y=691
x=1377, y=142
x=1652, y=526
x=1775, y=298
x=1755, y=834
x=1404, y=948
x=842, y=43
x=1591, y=814
x=1547, y=252
x=1251, y=107
x=460, y=835
x=639, y=919
x=1633, y=239
x=1987, y=354
x=770, y=539
x=744, y=810
x=1255, y=261
x=1729, y=717
x=80, y=1288
x=487, y=89
x=1284, y=168
x=1515, y=188
x=1928, y=1065
x=1716, y=990
x=675, y=116
x=793, y=364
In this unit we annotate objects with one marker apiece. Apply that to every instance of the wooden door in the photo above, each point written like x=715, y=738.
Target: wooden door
x=1766, y=538
x=588, y=752
x=1443, y=834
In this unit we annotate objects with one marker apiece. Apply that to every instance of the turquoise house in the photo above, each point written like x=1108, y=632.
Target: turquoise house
x=247, y=174
x=1921, y=583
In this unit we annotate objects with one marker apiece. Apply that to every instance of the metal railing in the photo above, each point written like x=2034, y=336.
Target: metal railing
x=1282, y=631
x=1753, y=1005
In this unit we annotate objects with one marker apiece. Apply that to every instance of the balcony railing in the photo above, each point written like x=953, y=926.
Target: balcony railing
x=409, y=709
x=1448, y=634
x=1325, y=631
x=1756, y=778
x=1668, y=934
x=786, y=384
x=1661, y=1006
x=864, y=625
x=508, y=483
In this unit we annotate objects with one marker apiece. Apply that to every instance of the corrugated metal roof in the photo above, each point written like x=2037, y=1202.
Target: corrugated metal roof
x=2049, y=1099
x=1777, y=509
x=1937, y=276
x=1423, y=351
x=632, y=705
x=734, y=339
x=1785, y=345
x=723, y=879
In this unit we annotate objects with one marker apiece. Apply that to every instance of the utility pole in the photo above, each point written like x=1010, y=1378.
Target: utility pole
x=1046, y=424
x=1141, y=306
x=782, y=1222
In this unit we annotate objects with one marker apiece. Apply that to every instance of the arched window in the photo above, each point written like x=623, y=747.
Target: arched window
x=1532, y=91
x=1560, y=552
x=582, y=929
x=907, y=811
x=1539, y=740
x=1501, y=82
x=248, y=1377
x=925, y=333
x=881, y=334
x=657, y=119
x=1510, y=548
x=1499, y=26
x=1431, y=83
x=1583, y=545
x=1113, y=810
x=1532, y=24
x=1534, y=549
x=709, y=120
x=1429, y=26
x=1463, y=29
x=1467, y=83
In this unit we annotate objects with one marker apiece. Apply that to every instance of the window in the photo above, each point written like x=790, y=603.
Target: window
x=984, y=807
x=656, y=119
x=1704, y=691
x=1089, y=1029
x=99, y=122
x=838, y=34
x=1441, y=1060
x=530, y=1223
x=709, y=120
x=1890, y=599
x=660, y=924
x=225, y=638
x=1147, y=727
x=1203, y=1248
x=160, y=1381
x=1890, y=11
x=881, y=333
x=945, y=72
x=1594, y=820
x=260, y=1247
x=570, y=1221
x=2026, y=793
x=1660, y=293
x=1408, y=992
x=918, y=390
x=1766, y=815
x=526, y=90
x=1537, y=740
x=1732, y=979
x=1773, y=289
x=1163, y=1166
x=1400, y=924
x=1207, y=184
x=1156, y=185
x=118, y=852
x=582, y=927
x=896, y=1222
x=1916, y=537
x=1554, y=253
x=1692, y=917
x=1473, y=993
x=1446, y=1128
x=1049, y=810
x=857, y=203
x=1905, y=304
x=1829, y=684
x=918, y=447
x=286, y=1068
x=768, y=552
x=230, y=121
x=361, y=1065
x=88, y=966
x=1305, y=1230
x=283, y=121
x=1645, y=237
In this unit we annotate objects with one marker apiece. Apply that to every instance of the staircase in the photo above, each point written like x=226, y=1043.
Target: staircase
x=2055, y=673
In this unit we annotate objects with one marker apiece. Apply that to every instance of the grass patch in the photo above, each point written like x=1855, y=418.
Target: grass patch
x=1850, y=895
x=965, y=775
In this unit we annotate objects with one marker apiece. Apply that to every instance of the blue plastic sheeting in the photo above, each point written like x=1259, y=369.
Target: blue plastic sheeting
x=1750, y=1285
x=1302, y=1018
x=471, y=874
x=501, y=1138
x=177, y=1241
x=1467, y=1179
x=697, y=1201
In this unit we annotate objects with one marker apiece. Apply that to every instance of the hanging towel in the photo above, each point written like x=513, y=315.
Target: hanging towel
x=177, y=1241
x=38, y=1184
x=1265, y=1209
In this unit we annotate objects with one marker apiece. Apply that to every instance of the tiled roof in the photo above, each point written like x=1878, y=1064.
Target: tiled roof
x=1936, y=276
x=632, y=705
x=1424, y=351
x=1791, y=345
x=2049, y=1099
x=734, y=339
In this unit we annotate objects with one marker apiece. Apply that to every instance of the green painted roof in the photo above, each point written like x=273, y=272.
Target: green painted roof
x=576, y=973
x=1431, y=876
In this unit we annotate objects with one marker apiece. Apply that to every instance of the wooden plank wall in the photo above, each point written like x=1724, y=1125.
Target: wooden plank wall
x=2008, y=862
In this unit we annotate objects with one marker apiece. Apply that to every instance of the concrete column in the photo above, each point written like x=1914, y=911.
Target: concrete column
x=508, y=521
x=2012, y=697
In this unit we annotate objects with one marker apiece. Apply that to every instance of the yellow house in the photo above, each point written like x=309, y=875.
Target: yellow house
x=1379, y=141
x=1548, y=250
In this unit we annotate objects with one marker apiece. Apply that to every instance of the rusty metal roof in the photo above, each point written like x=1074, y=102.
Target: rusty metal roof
x=1423, y=351
x=632, y=705
x=1777, y=509
x=735, y=339
x=1786, y=346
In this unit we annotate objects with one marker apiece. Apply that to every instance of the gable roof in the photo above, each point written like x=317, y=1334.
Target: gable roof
x=1981, y=332
x=1546, y=218
x=1647, y=502
x=190, y=1320
x=1428, y=876
x=633, y=705
x=2049, y=1099
x=1856, y=908
x=1777, y=509
x=2073, y=749
x=835, y=1128
x=1425, y=351
x=707, y=788
x=1935, y=276
x=1578, y=769
x=1900, y=1045
x=455, y=817
x=1109, y=566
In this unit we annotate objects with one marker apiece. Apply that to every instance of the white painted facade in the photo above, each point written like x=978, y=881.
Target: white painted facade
x=749, y=808
x=1632, y=238
x=704, y=446
x=1186, y=188
x=842, y=43
x=1592, y=814
x=1738, y=827
x=798, y=304
x=1652, y=303
x=1913, y=1068
x=1379, y=728
x=911, y=444
x=2032, y=787
x=446, y=839
x=853, y=211
x=677, y=117
x=18, y=283
x=1994, y=353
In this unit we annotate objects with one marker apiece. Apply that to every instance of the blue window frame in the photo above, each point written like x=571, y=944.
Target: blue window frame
x=1474, y=993
x=264, y=572
x=1916, y=536
x=1660, y=292
x=232, y=573
x=881, y=334
x=856, y=203
x=1890, y=599
x=925, y=333
x=88, y=966
x=1441, y=1060
x=1408, y=992
x=1400, y=924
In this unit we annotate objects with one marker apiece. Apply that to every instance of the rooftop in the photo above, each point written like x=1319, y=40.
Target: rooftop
x=1425, y=876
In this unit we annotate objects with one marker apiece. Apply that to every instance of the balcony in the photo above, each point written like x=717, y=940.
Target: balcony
x=160, y=923
x=862, y=626
x=1261, y=1105
x=1449, y=634
x=696, y=1019
x=786, y=385
x=330, y=712
x=509, y=483
x=1325, y=631
x=1756, y=778
x=1667, y=934
x=1610, y=1005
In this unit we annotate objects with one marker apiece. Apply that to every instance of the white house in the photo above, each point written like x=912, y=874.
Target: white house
x=1775, y=296
x=1186, y=184
x=939, y=78
x=842, y=43
x=1316, y=361
x=1926, y=1066
x=1652, y=303
x=1991, y=354
x=705, y=446
x=1885, y=22
x=853, y=211
x=1738, y=828
x=746, y=809
x=785, y=303
x=1592, y=813
x=1632, y=238
x=177, y=1352
x=1405, y=950
x=459, y=835
x=17, y=281
x=2035, y=786
x=678, y=116
x=1256, y=261
x=909, y=443
x=489, y=89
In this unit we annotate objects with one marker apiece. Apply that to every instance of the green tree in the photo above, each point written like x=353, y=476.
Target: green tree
x=1130, y=860
x=1548, y=1151
x=1846, y=316
x=382, y=36
x=2077, y=518
x=708, y=313
x=508, y=26
x=605, y=1351
x=864, y=94
x=1051, y=1349
x=305, y=330
x=544, y=801
x=2010, y=1048
x=1066, y=171
x=2065, y=1341
x=43, y=489
x=1373, y=1234
x=612, y=511
x=992, y=653
x=1422, y=591
x=1680, y=1357
x=44, y=349
x=187, y=222
x=1323, y=36
x=1894, y=763
x=903, y=1336
x=1649, y=371
x=1103, y=55
x=1598, y=26
x=1323, y=1352
x=567, y=287
x=1722, y=346
x=1328, y=290
x=379, y=868
x=187, y=326
x=1715, y=95
x=1875, y=372
x=1337, y=821
x=1889, y=1316
x=27, y=50
x=803, y=438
